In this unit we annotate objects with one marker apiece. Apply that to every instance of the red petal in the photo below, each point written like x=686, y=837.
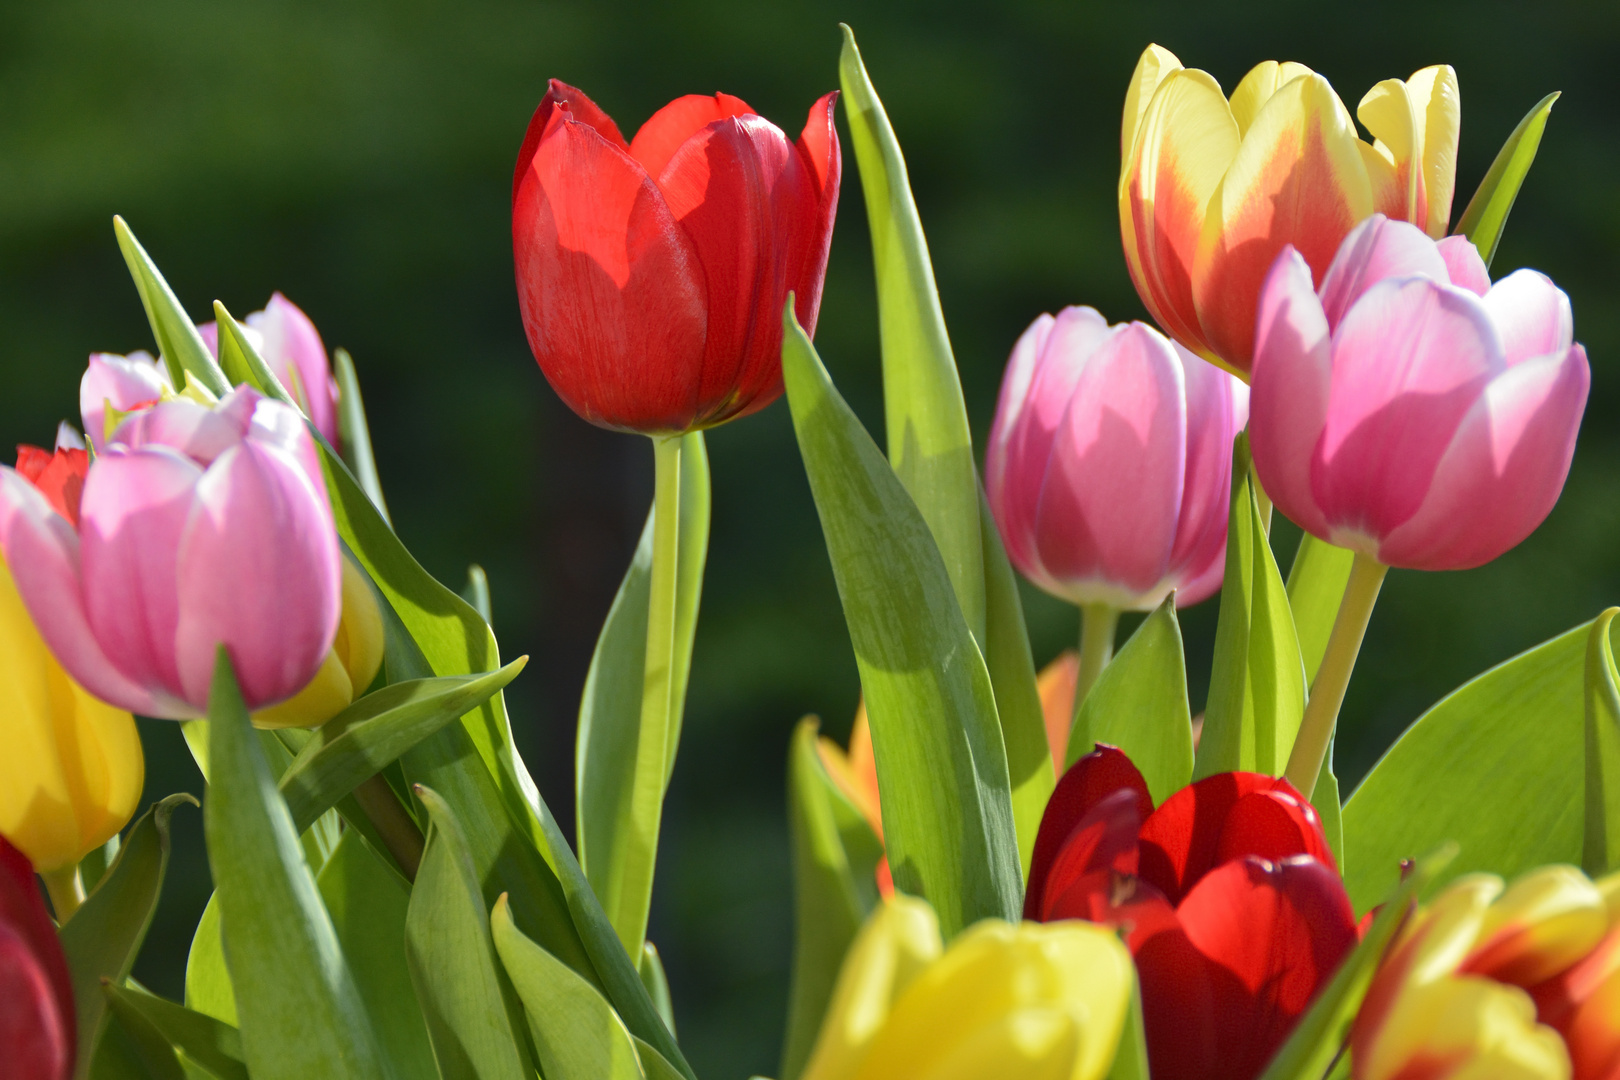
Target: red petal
x=609, y=285
x=1274, y=825
x=668, y=128
x=23, y=914
x=1104, y=842
x=1087, y=783
x=809, y=230
x=59, y=476
x=572, y=103
x=1181, y=840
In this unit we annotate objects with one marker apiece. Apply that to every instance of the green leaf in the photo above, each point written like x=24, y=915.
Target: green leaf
x=942, y=769
x=208, y=981
x=355, y=433
x=1320, y=1034
x=476, y=592
x=1600, y=848
x=653, y=1065
x=215, y=1046
x=301, y=1015
x=368, y=902
x=577, y=1035
x=1139, y=704
x=95, y=864
x=1018, y=703
x=183, y=350
x=1131, y=1059
x=930, y=445
x=834, y=855
x=103, y=937
x=656, y=981
x=1487, y=211
x=1257, y=687
x=476, y=1030
x=239, y=359
x=359, y=741
x=133, y=1046
x=1316, y=584
x=1329, y=808
x=1493, y=766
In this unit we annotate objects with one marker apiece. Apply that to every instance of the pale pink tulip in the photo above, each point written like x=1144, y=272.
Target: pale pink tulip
x=1110, y=462
x=197, y=526
x=292, y=347
x=1413, y=411
x=122, y=383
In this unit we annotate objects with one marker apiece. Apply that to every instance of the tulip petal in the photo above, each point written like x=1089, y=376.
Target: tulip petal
x=36, y=1035
x=58, y=475
x=195, y=430
x=1288, y=401
x=1546, y=922
x=662, y=136
x=572, y=104
x=125, y=382
x=1463, y=264
x=258, y=522
x=1438, y=105
x=1583, y=1004
x=1257, y=87
x=1183, y=839
x=1532, y=315
x=1186, y=141
x=1510, y=455
x=1089, y=781
x=1273, y=825
x=1153, y=67
x=1376, y=249
x=1014, y=516
x=1217, y=409
x=1410, y=358
x=294, y=350
x=1388, y=113
x=609, y=284
x=808, y=231
x=1298, y=179
x=23, y=911
x=1102, y=844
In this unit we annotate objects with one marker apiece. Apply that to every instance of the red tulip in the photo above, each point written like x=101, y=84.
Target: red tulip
x=652, y=274
x=36, y=998
x=1228, y=893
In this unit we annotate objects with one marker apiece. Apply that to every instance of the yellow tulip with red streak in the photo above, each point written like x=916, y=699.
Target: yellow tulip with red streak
x=1212, y=189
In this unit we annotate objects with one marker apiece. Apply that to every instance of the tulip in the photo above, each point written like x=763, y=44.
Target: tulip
x=1411, y=411
x=1228, y=894
x=854, y=773
x=114, y=385
x=349, y=667
x=1582, y=1003
x=652, y=274
x=1210, y=190
x=291, y=346
x=1004, y=1002
x=198, y=526
x=37, y=1028
x=1109, y=469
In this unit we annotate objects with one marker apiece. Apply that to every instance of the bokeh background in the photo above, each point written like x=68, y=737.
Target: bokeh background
x=356, y=155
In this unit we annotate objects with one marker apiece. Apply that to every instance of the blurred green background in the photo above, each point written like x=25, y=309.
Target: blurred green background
x=356, y=154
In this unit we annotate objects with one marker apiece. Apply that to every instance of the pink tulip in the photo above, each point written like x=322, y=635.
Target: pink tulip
x=124, y=383
x=292, y=347
x=1412, y=411
x=1110, y=462
x=197, y=526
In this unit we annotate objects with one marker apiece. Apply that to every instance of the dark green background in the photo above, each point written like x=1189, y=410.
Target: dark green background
x=357, y=155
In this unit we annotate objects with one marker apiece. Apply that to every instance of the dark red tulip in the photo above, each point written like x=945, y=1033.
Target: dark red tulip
x=652, y=274
x=1228, y=894
x=36, y=998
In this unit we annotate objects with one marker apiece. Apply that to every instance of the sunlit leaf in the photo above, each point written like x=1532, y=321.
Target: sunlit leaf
x=212, y=1044
x=183, y=350
x=1600, y=847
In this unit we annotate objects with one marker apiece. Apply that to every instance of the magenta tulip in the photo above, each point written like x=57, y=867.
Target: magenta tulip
x=1110, y=462
x=291, y=345
x=197, y=526
x=1412, y=411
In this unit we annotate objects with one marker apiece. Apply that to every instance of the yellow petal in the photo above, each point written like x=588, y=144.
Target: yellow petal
x=1262, y=81
x=328, y=694
x=359, y=643
x=1153, y=68
x=1437, y=102
x=1387, y=112
x=1545, y=922
x=1466, y=1028
x=104, y=750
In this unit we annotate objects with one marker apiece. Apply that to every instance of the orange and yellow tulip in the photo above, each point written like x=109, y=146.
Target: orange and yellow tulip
x=1211, y=189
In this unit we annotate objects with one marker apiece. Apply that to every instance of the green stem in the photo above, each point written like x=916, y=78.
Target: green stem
x=1097, y=625
x=628, y=904
x=399, y=833
x=1333, y=677
x=66, y=890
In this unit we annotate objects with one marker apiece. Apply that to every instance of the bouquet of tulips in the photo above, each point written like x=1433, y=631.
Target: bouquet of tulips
x=1005, y=874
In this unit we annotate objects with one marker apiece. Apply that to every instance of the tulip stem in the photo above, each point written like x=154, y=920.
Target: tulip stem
x=399, y=833
x=1098, y=623
x=1333, y=677
x=66, y=889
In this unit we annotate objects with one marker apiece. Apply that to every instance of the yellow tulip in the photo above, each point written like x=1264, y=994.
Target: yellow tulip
x=72, y=770
x=1211, y=189
x=1004, y=1002
x=350, y=665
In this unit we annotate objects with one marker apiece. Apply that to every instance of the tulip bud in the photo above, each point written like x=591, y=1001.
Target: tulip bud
x=291, y=346
x=37, y=1029
x=1005, y=1000
x=1110, y=462
x=351, y=665
x=115, y=385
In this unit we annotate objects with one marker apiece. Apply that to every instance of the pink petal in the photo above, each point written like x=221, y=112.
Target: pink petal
x=125, y=381
x=1463, y=263
x=1015, y=517
x=1532, y=315
x=1503, y=470
x=195, y=430
x=261, y=576
x=1288, y=400
x=1217, y=407
x=277, y=425
x=293, y=349
x=1409, y=360
x=1376, y=249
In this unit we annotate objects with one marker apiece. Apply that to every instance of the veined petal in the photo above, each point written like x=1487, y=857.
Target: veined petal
x=1298, y=179
x=1532, y=315
x=668, y=129
x=1257, y=87
x=1153, y=67
x=1437, y=103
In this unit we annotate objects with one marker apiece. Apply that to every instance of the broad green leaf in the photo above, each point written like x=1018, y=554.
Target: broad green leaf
x=653, y=1065
x=930, y=445
x=105, y=934
x=942, y=768
x=834, y=856
x=1131, y=1059
x=476, y=593
x=183, y=350
x=367, y=902
x=1139, y=704
x=355, y=432
x=1487, y=211
x=1257, y=687
x=239, y=359
x=656, y=981
x=208, y=982
x=1316, y=584
x=1494, y=766
x=301, y=1015
x=1018, y=703
x=577, y=1035
x=215, y=1046
x=1320, y=1034
x=133, y=1046
x=357, y=742
x=475, y=1027
x=1600, y=848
